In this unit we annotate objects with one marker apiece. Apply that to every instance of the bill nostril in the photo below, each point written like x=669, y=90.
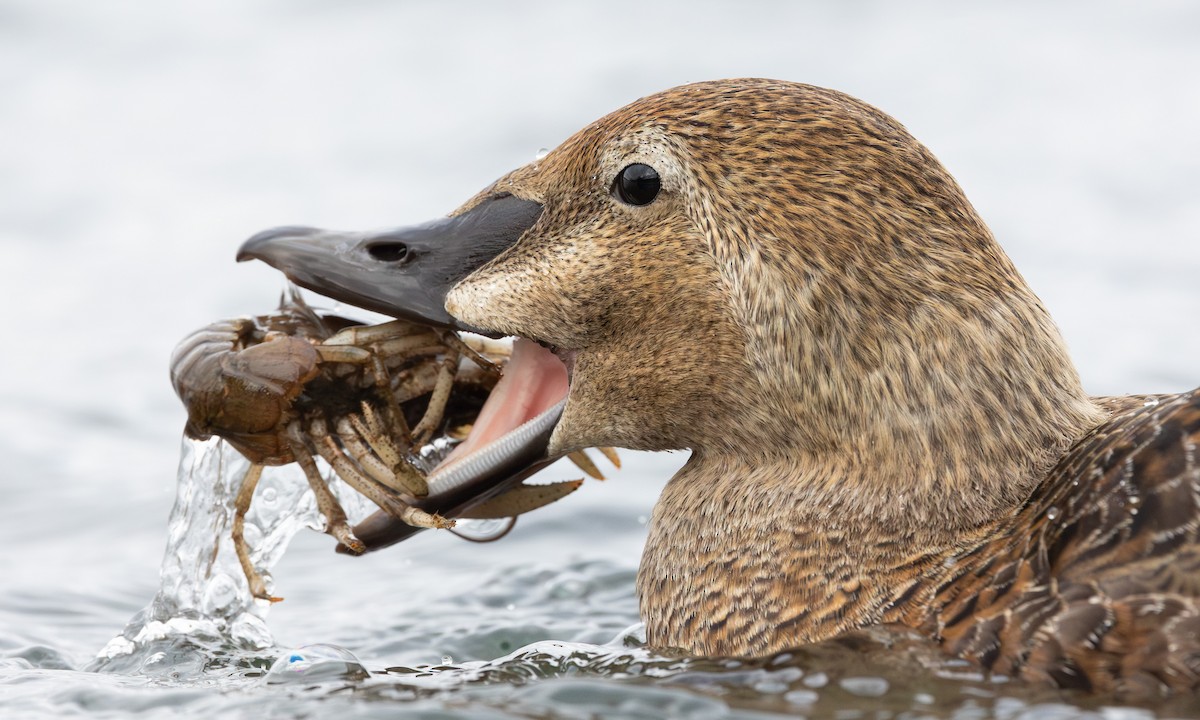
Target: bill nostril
x=392, y=252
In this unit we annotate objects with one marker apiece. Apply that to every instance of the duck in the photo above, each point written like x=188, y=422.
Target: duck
x=884, y=422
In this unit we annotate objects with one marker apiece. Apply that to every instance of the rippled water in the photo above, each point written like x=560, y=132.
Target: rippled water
x=141, y=142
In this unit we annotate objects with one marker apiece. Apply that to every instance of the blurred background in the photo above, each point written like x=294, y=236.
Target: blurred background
x=141, y=142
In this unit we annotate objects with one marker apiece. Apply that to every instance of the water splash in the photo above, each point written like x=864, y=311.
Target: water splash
x=204, y=618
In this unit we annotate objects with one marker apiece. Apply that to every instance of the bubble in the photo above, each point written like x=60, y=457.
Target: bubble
x=316, y=663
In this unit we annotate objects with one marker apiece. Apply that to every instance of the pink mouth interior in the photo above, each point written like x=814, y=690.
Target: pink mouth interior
x=534, y=381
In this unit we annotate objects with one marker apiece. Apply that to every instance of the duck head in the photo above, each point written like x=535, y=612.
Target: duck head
x=760, y=271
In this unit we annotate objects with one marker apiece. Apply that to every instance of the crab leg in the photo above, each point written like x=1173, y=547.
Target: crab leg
x=365, y=334
x=383, y=383
x=415, y=382
x=612, y=456
x=437, y=401
x=584, y=463
x=375, y=492
x=401, y=476
x=379, y=373
x=521, y=499
x=452, y=341
x=327, y=504
x=241, y=506
x=485, y=346
x=368, y=429
x=427, y=342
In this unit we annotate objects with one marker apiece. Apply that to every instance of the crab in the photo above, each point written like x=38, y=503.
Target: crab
x=294, y=385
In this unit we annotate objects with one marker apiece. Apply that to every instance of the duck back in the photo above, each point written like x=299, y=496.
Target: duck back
x=1095, y=584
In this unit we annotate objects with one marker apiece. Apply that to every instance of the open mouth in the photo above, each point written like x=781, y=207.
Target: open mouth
x=507, y=443
x=521, y=411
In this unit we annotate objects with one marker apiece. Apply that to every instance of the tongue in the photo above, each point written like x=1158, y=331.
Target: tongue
x=534, y=381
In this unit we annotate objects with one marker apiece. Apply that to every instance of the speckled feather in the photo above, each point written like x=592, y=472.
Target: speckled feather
x=1094, y=583
x=882, y=414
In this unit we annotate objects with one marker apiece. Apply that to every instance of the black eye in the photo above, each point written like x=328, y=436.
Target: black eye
x=637, y=184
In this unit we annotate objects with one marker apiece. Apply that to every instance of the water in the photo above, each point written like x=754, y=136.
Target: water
x=204, y=617
x=141, y=142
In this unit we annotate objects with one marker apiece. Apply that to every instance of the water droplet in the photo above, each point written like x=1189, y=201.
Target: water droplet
x=1052, y=513
x=816, y=680
x=447, y=660
x=268, y=496
x=1135, y=500
x=541, y=153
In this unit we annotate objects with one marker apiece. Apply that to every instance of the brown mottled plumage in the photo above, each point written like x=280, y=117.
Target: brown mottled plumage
x=885, y=423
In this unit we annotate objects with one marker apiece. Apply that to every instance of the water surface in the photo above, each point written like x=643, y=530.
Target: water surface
x=141, y=142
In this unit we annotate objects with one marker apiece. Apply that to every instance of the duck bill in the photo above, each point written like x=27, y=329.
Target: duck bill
x=404, y=272
x=380, y=530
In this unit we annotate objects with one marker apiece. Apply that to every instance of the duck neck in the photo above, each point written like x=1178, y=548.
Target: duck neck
x=941, y=413
x=919, y=462
x=749, y=556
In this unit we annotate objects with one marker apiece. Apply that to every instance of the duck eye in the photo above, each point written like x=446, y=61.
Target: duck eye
x=637, y=184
